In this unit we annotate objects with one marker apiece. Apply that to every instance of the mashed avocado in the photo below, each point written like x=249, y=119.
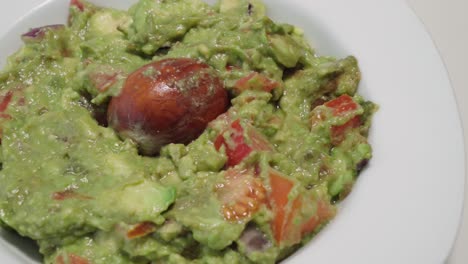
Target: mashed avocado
x=261, y=180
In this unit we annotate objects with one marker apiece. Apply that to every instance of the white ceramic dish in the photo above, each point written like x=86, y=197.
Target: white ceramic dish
x=406, y=206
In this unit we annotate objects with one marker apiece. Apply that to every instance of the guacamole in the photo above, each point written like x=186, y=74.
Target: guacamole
x=261, y=179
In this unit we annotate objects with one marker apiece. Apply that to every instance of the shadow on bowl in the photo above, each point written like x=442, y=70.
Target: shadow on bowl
x=26, y=246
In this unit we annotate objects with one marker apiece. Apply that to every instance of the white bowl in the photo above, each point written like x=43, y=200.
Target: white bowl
x=405, y=208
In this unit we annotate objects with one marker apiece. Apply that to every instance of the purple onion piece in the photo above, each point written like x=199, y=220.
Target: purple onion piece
x=254, y=240
x=38, y=33
x=361, y=165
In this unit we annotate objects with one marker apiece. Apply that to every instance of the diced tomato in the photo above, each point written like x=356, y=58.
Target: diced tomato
x=342, y=105
x=219, y=142
x=237, y=152
x=293, y=226
x=237, y=147
x=72, y=259
x=242, y=193
x=103, y=81
x=5, y=116
x=141, y=230
x=78, y=4
x=69, y=194
x=222, y=122
x=324, y=213
x=338, y=132
x=280, y=189
x=256, y=81
x=289, y=225
x=5, y=101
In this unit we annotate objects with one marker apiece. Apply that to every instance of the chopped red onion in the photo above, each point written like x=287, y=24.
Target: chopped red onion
x=38, y=33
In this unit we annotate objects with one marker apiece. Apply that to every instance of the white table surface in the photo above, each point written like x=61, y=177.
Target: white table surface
x=447, y=22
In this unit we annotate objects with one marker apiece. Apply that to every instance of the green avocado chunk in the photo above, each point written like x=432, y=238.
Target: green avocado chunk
x=260, y=181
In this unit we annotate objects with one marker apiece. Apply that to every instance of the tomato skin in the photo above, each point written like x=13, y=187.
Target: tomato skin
x=5, y=101
x=103, y=81
x=168, y=101
x=237, y=147
x=342, y=105
x=69, y=194
x=141, y=230
x=324, y=213
x=289, y=224
x=256, y=81
x=78, y=4
x=72, y=259
x=237, y=151
x=280, y=189
x=338, y=132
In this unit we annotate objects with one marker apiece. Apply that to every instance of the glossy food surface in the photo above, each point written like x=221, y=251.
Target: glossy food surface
x=175, y=176
x=168, y=101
